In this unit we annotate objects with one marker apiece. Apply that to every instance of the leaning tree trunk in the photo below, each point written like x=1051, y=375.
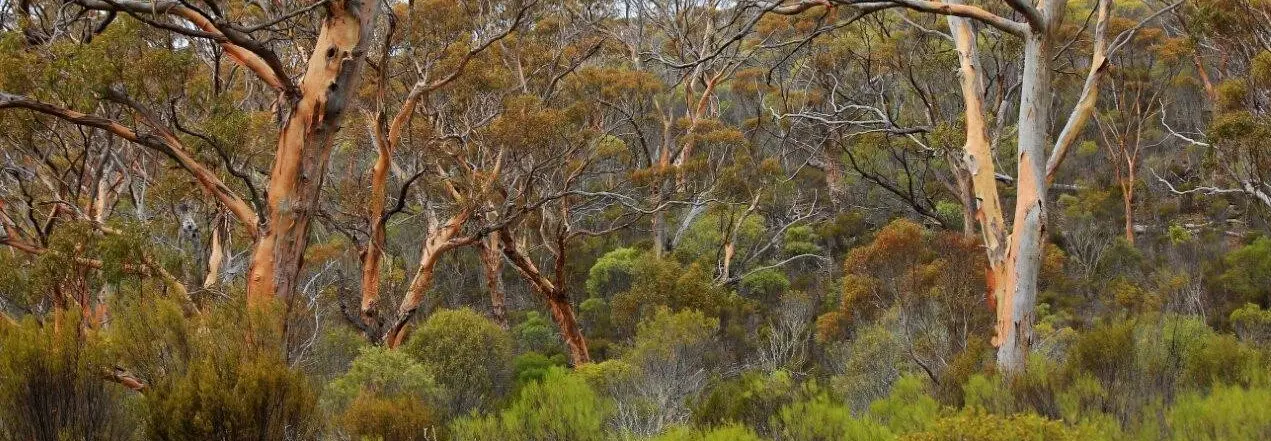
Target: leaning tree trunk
x=556, y=296
x=304, y=146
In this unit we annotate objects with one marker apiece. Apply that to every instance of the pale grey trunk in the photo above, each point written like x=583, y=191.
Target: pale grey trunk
x=1024, y=256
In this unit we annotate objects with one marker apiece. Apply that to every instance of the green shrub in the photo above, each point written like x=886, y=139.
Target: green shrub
x=1229, y=413
x=537, y=334
x=1252, y=324
x=730, y=432
x=751, y=400
x=908, y=408
x=470, y=356
x=612, y=273
x=1249, y=271
x=533, y=366
x=821, y=419
x=979, y=426
x=561, y=407
x=386, y=394
x=219, y=375
x=665, y=283
x=52, y=386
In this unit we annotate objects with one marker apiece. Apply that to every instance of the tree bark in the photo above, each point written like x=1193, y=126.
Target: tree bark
x=557, y=299
x=978, y=159
x=492, y=262
x=304, y=147
x=440, y=240
x=1014, y=329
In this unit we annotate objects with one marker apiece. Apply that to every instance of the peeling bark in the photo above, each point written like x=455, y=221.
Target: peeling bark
x=440, y=240
x=304, y=148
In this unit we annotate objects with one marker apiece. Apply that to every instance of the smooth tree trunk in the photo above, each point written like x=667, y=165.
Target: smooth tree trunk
x=1014, y=330
x=1014, y=260
x=556, y=296
x=304, y=147
x=440, y=240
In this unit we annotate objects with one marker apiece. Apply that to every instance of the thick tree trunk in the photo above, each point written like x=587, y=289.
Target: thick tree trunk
x=304, y=147
x=1014, y=330
x=374, y=252
x=978, y=160
x=563, y=315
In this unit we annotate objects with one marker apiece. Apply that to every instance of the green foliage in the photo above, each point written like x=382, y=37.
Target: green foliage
x=908, y=408
x=51, y=381
x=750, y=400
x=822, y=419
x=950, y=213
x=560, y=407
x=730, y=432
x=979, y=426
x=1249, y=271
x=801, y=239
x=766, y=285
x=381, y=373
x=665, y=283
x=1252, y=324
x=217, y=376
x=706, y=235
x=612, y=273
x=671, y=336
x=468, y=353
x=1228, y=413
x=533, y=366
x=537, y=334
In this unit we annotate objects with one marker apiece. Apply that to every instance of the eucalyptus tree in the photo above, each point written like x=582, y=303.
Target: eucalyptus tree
x=1014, y=251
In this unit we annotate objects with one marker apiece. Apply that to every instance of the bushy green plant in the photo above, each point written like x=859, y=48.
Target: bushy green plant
x=1252, y=324
x=1228, y=413
x=382, y=372
x=560, y=407
x=765, y=286
x=665, y=283
x=218, y=375
x=1249, y=271
x=822, y=419
x=908, y=408
x=612, y=273
x=731, y=432
x=979, y=426
x=52, y=384
x=751, y=400
x=469, y=355
x=537, y=334
x=386, y=394
x=533, y=366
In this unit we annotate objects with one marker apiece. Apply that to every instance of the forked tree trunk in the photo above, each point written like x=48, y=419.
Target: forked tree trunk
x=556, y=296
x=304, y=146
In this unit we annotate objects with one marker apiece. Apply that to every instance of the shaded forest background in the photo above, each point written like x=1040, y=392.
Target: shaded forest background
x=636, y=220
